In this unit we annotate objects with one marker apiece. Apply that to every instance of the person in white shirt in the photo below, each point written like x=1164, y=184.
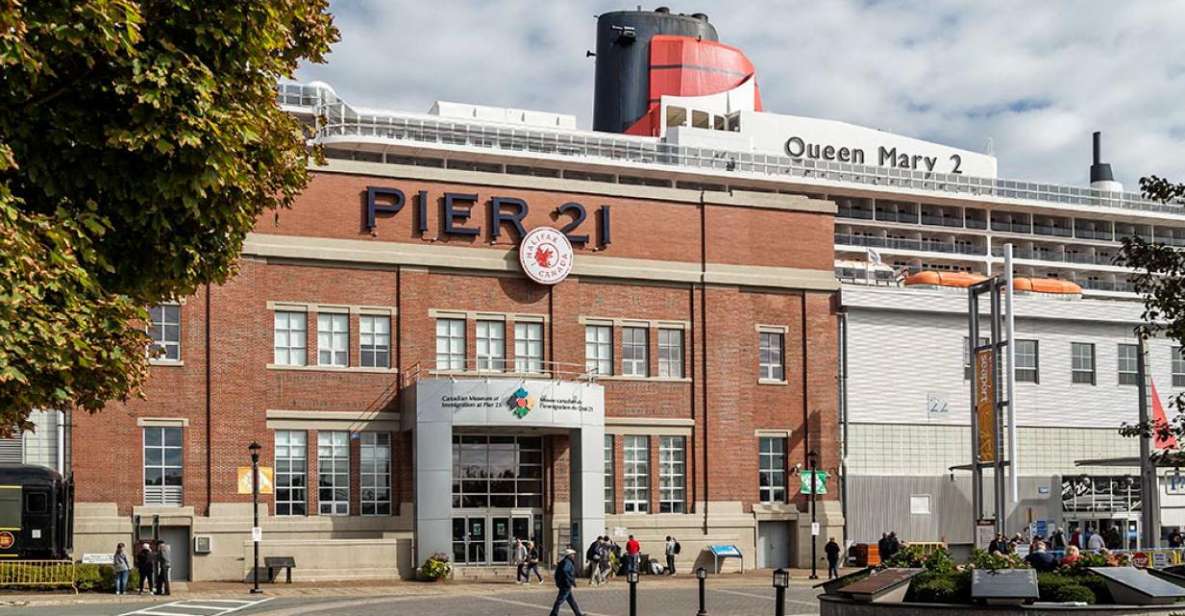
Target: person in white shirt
x=520, y=561
x=670, y=551
x=1095, y=543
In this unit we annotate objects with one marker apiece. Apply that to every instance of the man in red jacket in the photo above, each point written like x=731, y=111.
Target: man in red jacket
x=633, y=550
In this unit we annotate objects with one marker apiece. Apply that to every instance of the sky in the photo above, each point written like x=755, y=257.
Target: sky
x=1031, y=78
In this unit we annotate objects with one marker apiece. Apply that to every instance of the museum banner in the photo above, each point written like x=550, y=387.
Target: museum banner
x=985, y=404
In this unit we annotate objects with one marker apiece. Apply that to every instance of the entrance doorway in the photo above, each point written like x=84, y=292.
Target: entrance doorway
x=1118, y=533
x=773, y=539
x=488, y=539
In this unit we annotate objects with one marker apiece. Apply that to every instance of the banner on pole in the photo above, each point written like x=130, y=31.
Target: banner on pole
x=985, y=404
x=266, y=484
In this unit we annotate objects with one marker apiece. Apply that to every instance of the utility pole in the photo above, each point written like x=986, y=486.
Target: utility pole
x=254, y=449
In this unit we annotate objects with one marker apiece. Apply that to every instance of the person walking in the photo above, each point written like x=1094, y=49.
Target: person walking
x=633, y=551
x=532, y=563
x=164, y=567
x=146, y=565
x=119, y=564
x=565, y=579
x=1095, y=543
x=592, y=556
x=832, y=552
x=671, y=550
x=520, y=561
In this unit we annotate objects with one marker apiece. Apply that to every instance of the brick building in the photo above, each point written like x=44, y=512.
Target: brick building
x=680, y=332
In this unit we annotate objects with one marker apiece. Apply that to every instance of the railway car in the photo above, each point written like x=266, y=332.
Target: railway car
x=36, y=513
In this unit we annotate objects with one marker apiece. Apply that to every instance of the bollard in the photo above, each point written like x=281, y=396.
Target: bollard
x=632, y=578
x=781, y=581
x=702, y=574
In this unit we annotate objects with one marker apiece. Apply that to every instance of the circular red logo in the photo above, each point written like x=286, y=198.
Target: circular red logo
x=1140, y=559
x=6, y=540
x=545, y=255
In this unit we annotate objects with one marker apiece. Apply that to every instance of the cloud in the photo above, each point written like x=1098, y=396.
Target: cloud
x=1035, y=78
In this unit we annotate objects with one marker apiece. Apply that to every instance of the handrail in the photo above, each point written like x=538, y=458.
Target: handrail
x=336, y=119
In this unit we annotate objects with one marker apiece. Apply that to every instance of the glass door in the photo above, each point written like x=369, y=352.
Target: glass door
x=469, y=540
x=500, y=541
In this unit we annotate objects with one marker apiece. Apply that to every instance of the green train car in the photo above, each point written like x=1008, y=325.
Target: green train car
x=36, y=513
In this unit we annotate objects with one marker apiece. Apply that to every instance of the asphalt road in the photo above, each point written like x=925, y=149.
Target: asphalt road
x=723, y=600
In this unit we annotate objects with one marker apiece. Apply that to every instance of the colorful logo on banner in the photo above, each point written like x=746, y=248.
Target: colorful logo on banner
x=820, y=486
x=6, y=540
x=521, y=402
x=546, y=255
x=985, y=405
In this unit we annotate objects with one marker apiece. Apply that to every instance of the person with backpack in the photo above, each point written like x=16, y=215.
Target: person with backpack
x=593, y=557
x=146, y=565
x=532, y=563
x=672, y=548
x=565, y=579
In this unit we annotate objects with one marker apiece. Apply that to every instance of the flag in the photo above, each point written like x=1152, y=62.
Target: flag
x=1160, y=419
x=874, y=257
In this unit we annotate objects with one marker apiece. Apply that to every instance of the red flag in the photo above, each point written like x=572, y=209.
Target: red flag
x=1159, y=419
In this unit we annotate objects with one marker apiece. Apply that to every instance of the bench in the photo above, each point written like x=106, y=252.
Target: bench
x=279, y=562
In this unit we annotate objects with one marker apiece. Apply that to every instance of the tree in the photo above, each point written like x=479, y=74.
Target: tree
x=1160, y=279
x=140, y=142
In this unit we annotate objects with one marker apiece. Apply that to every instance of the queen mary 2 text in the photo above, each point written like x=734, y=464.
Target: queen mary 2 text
x=797, y=147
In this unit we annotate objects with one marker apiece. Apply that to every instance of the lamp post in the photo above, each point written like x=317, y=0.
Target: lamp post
x=812, y=459
x=631, y=576
x=702, y=574
x=254, y=449
x=781, y=581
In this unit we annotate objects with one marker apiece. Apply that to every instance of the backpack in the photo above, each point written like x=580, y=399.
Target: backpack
x=678, y=548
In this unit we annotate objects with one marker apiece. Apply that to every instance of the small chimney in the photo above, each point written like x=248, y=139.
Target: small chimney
x=1101, y=177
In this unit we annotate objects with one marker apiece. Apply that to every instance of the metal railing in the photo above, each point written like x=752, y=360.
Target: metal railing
x=38, y=574
x=337, y=119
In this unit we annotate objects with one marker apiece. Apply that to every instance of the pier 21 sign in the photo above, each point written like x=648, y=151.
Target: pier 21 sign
x=457, y=210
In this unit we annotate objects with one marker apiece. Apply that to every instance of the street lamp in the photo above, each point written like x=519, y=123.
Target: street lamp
x=781, y=581
x=702, y=574
x=812, y=460
x=254, y=449
x=631, y=576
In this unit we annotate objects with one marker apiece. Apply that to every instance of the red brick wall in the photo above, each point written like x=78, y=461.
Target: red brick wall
x=722, y=321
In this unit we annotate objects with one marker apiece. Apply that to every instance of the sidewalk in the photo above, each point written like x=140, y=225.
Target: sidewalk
x=383, y=588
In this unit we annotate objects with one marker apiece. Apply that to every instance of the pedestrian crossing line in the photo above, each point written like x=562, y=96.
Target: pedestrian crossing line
x=757, y=596
x=196, y=604
x=545, y=608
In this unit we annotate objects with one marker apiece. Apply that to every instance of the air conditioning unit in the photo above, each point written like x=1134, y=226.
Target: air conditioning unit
x=202, y=544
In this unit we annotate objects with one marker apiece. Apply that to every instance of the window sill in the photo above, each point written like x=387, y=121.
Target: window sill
x=361, y=369
x=646, y=379
x=166, y=362
x=771, y=382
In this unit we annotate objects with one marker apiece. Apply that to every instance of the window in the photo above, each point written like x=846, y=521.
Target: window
x=290, y=338
x=919, y=504
x=1178, y=367
x=634, y=342
x=375, y=341
x=36, y=502
x=1129, y=365
x=291, y=479
x=772, y=469
x=598, y=349
x=672, y=473
x=670, y=353
x=491, y=346
x=770, y=357
x=333, y=472
x=968, y=353
x=637, y=474
x=497, y=471
x=375, y=473
x=528, y=347
x=1027, y=363
x=162, y=466
x=1081, y=363
x=164, y=327
x=333, y=340
x=610, y=491
x=450, y=344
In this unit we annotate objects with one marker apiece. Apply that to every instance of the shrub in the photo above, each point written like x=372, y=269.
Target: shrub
x=916, y=557
x=981, y=559
x=436, y=567
x=1062, y=587
x=933, y=587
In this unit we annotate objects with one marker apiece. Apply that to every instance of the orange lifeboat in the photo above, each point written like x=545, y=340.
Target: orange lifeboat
x=943, y=279
x=1046, y=285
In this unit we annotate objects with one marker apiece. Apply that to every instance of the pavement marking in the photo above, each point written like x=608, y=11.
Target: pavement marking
x=766, y=597
x=534, y=605
x=161, y=609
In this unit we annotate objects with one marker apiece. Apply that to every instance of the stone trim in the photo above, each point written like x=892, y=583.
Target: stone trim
x=628, y=322
x=331, y=308
x=488, y=260
x=162, y=422
x=320, y=368
x=677, y=422
x=488, y=315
